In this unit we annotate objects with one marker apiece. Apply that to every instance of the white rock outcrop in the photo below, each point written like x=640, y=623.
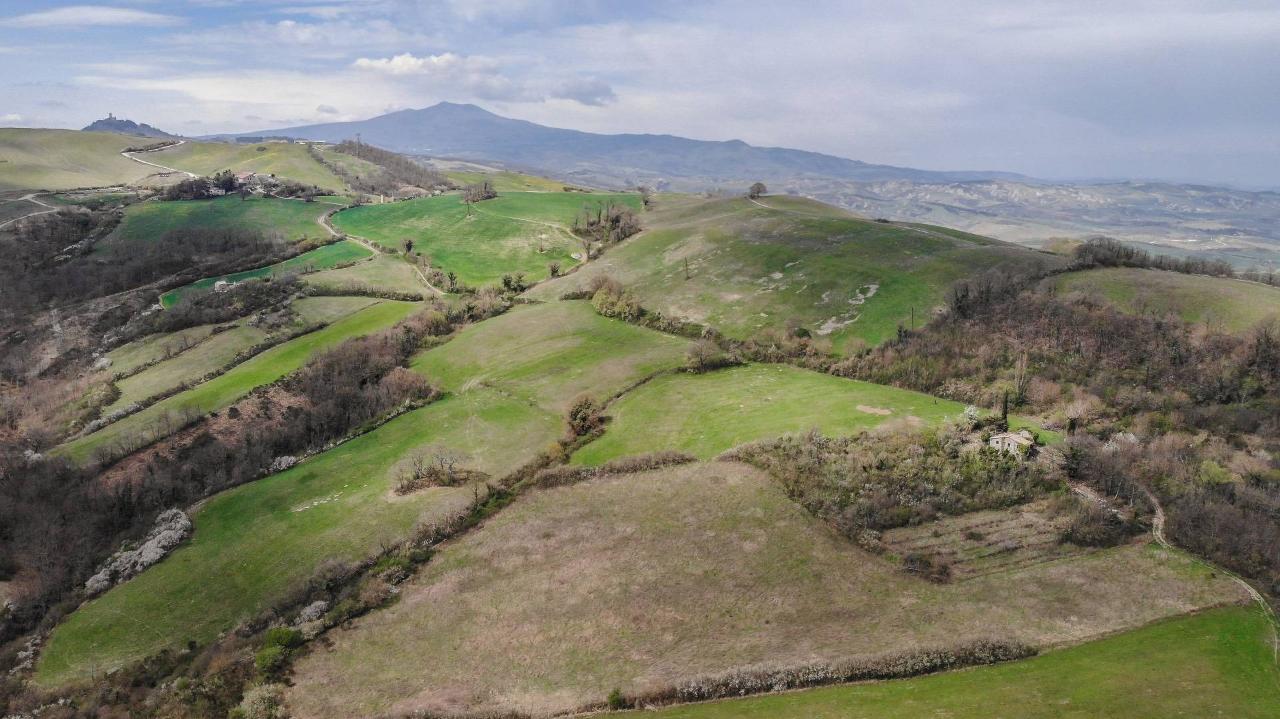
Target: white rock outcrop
x=172, y=526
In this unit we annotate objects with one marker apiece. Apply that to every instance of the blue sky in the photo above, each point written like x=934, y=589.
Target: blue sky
x=1178, y=89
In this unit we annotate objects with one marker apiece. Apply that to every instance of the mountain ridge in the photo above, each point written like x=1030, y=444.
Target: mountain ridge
x=121, y=126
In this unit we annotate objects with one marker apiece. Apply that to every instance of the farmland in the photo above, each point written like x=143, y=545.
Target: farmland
x=706, y=414
x=549, y=354
x=743, y=267
x=1222, y=303
x=252, y=543
x=162, y=417
x=64, y=159
x=383, y=272
x=285, y=160
x=640, y=581
x=516, y=232
x=291, y=220
x=338, y=253
x=1216, y=663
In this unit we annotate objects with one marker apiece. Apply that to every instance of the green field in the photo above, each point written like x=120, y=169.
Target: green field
x=320, y=258
x=752, y=267
x=505, y=181
x=208, y=356
x=210, y=352
x=282, y=159
x=156, y=347
x=640, y=581
x=1214, y=664
x=1219, y=302
x=291, y=220
x=514, y=232
x=549, y=354
x=706, y=414
x=66, y=159
x=161, y=418
x=253, y=543
x=383, y=272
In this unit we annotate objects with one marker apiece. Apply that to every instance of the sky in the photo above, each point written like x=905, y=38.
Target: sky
x=1184, y=90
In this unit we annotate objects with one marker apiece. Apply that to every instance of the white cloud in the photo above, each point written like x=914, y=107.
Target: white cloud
x=407, y=64
x=88, y=16
x=11, y=117
x=326, y=109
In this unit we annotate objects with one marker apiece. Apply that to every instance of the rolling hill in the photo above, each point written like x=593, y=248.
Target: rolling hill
x=744, y=266
x=66, y=159
x=111, y=123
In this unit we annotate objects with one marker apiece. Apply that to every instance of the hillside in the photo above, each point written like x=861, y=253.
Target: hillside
x=285, y=160
x=66, y=159
x=1218, y=302
x=111, y=123
x=743, y=267
x=643, y=581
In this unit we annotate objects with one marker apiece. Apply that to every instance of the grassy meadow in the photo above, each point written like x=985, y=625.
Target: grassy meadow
x=66, y=159
x=253, y=543
x=292, y=220
x=282, y=159
x=162, y=417
x=320, y=258
x=514, y=232
x=151, y=348
x=1215, y=663
x=505, y=181
x=706, y=414
x=206, y=357
x=1222, y=303
x=752, y=267
x=383, y=272
x=639, y=581
x=549, y=354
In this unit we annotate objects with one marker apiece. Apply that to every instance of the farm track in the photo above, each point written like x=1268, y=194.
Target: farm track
x=130, y=156
x=376, y=250
x=31, y=197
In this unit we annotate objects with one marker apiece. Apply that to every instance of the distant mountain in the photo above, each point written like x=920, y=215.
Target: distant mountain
x=111, y=123
x=472, y=133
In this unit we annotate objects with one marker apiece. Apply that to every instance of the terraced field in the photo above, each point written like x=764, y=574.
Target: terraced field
x=337, y=253
x=383, y=272
x=66, y=159
x=161, y=418
x=156, y=347
x=743, y=267
x=1216, y=663
x=549, y=354
x=282, y=159
x=515, y=232
x=289, y=219
x=641, y=581
x=706, y=414
x=253, y=543
x=1227, y=304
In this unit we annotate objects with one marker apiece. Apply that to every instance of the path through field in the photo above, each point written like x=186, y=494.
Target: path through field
x=29, y=198
x=377, y=250
x=162, y=167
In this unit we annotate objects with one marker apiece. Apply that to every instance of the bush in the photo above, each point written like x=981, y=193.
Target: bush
x=1093, y=526
x=261, y=702
x=270, y=660
x=616, y=701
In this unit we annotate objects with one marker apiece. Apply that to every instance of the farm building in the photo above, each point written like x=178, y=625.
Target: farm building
x=1019, y=442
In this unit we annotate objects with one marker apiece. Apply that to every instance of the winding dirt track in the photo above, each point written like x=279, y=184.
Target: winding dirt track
x=130, y=155
x=30, y=198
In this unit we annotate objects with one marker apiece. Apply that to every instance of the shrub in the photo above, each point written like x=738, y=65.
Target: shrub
x=616, y=701
x=270, y=660
x=584, y=416
x=1093, y=526
x=261, y=702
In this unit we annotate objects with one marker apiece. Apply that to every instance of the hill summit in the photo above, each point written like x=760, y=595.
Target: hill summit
x=111, y=123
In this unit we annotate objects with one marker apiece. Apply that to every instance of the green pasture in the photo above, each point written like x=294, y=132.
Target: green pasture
x=320, y=258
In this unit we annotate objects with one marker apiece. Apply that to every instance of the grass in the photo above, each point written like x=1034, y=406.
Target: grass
x=208, y=356
x=1211, y=664
x=640, y=581
x=549, y=354
x=706, y=414
x=383, y=272
x=66, y=159
x=161, y=418
x=254, y=543
x=154, y=347
x=514, y=232
x=505, y=181
x=290, y=219
x=283, y=159
x=753, y=267
x=211, y=352
x=1226, y=304
x=320, y=258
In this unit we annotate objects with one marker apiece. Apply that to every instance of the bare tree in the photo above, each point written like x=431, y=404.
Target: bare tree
x=756, y=190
